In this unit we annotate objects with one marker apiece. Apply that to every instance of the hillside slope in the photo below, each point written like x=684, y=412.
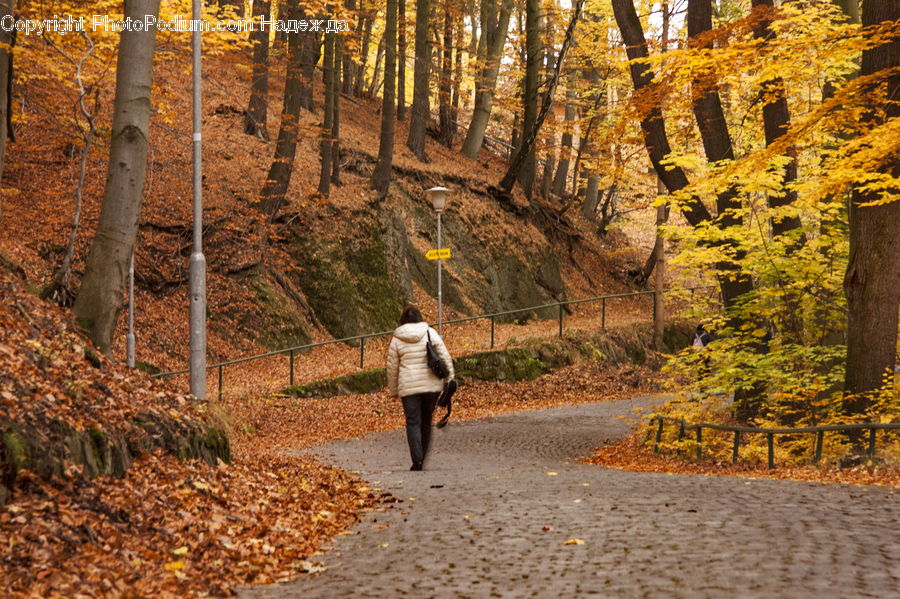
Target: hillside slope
x=327, y=268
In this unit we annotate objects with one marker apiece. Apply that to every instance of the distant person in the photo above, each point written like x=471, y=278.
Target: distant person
x=410, y=379
x=701, y=337
x=701, y=340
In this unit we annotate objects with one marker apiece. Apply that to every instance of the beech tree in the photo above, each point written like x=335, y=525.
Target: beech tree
x=494, y=25
x=325, y=130
x=401, y=59
x=445, y=88
x=366, y=21
x=381, y=177
x=529, y=134
x=872, y=280
x=562, y=169
x=776, y=121
x=339, y=65
x=257, y=109
x=279, y=177
x=99, y=299
x=419, y=111
x=309, y=58
x=7, y=41
x=716, y=144
x=347, y=65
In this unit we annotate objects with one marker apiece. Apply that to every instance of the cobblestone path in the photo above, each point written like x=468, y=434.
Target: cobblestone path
x=490, y=515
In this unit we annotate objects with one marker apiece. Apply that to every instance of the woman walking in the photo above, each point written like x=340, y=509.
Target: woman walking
x=410, y=379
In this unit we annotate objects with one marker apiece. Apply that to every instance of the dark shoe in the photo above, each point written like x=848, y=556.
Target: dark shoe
x=416, y=466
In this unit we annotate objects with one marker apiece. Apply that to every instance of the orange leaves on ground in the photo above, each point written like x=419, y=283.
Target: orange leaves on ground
x=632, y=456
x=172, y=528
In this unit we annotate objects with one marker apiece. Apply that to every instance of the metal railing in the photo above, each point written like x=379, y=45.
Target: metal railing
x=770, y=433
x=292, y=352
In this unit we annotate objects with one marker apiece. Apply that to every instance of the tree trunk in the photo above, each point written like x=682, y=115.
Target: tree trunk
x=457, y=77
x=279, y=178
x=99, y=300
x=7, y=42
x=419, y=113
x=58, y=289
x=662, y=216
x=776, y=122
x=547, y=175
x=366, y=25
x=257, y=109
x=591, y=198
x=381, y=177
x=376, y=76
x=308, y=60
x=490, y=49
x=529, y=135
x=346, y=57
x=872, y=280
x=717, y=144
x=281, y=36
x=401, y=60
x=339, y=53
x=655, y=137
x=325, y=130
x=445, y=89
x=652, y=124
x=533, y=57
x=659, y=284
x=562, y=171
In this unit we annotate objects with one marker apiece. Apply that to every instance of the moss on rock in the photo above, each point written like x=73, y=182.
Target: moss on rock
x=281, y=323
x=348, y=282
x=367, y=381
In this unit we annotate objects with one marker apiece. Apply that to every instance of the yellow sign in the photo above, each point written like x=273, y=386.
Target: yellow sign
x=438, y=254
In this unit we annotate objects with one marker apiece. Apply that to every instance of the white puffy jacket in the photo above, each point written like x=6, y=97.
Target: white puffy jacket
x=407, y=363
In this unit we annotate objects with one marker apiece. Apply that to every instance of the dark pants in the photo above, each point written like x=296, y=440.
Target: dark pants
x=419, y=409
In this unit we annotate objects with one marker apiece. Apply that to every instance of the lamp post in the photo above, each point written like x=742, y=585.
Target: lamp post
x=197, y=273
x=438, y=197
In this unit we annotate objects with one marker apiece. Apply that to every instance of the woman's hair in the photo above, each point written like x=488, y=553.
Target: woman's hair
x=411, y=314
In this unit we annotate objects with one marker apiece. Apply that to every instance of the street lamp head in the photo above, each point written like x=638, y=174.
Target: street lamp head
x=438, y=198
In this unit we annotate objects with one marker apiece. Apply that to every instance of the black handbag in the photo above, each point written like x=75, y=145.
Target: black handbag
x=435, y=363
x=444, y=401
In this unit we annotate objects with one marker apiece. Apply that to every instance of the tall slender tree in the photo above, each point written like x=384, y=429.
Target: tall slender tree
x=716, y=143
x=365, y=25
x=872, y=280
x=346, y=57
x=7, y=43
x=494, y=26
x=529, y=134
x=258, y=107
x=309, y=58
x=562, y=169
x=325, y=129
x=381, y=177
x=653, y=126
x=445, y=85
x=534, y=51
x=339, y=65
x=776, y=120
x=419, y=112
x=99, y=299
x=401, y=59
x=375, y=83
x=276, y=185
